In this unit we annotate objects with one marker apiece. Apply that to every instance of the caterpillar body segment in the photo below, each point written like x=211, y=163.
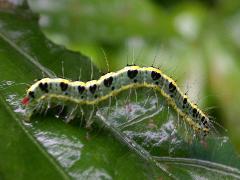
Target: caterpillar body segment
x=95, y=91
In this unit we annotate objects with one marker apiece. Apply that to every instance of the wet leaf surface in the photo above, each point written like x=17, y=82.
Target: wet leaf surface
x=132, y=138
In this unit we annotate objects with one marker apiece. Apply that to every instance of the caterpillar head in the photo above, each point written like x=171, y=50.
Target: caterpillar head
x=28, y=102
x=28, y=98
x=35, y=91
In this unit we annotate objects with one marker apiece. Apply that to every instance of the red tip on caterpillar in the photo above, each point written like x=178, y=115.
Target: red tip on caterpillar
x=25, y=101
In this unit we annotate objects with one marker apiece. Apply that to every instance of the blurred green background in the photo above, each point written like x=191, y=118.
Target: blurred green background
x=195, y=42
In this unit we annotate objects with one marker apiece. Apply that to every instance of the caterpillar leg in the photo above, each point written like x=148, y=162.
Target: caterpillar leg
x=48, y=106
x=89, y=121
x=72, y=113
x=136, y=96
x=109, y=106
x=60, y=111
x=82, y=116
x=116, y=102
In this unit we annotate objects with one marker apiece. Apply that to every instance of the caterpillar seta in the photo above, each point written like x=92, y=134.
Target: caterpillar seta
x=110, y=84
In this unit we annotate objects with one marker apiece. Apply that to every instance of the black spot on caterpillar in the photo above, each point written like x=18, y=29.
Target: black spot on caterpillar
x=43, y=87
x=132, y=73
x=63, y=86
x=155, y=76
x=81, y=89
x=31, y=94
x=95, y=91
x=93, y=88
x=172, y=87
x=108, y=82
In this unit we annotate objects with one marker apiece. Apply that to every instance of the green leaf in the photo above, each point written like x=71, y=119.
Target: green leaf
x=22, y=157
x=48, y=144
x=145, y=144
x=151, y=133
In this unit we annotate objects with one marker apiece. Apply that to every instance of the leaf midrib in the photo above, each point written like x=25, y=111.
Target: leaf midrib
x=27, y=56
x=212, y=166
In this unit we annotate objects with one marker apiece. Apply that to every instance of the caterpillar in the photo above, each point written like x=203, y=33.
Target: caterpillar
x=110, y=84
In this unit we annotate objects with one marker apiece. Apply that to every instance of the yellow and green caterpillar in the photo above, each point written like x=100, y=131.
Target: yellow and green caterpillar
x=95, y=91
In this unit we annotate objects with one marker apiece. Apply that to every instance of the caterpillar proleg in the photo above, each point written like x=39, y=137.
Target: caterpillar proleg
x=109, y=85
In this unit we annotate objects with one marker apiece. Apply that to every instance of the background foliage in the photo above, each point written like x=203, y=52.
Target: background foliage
x=195, y=42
